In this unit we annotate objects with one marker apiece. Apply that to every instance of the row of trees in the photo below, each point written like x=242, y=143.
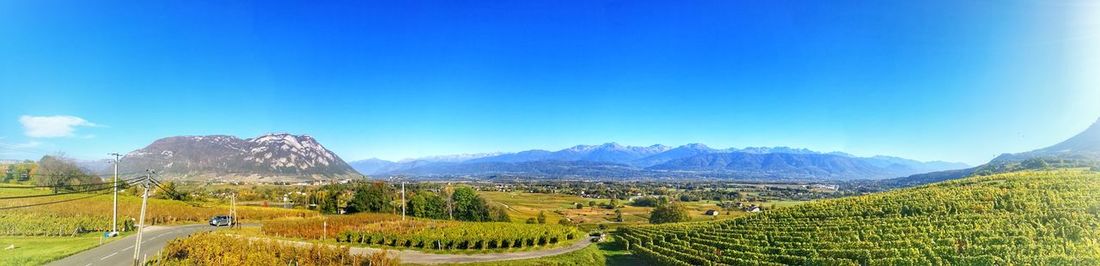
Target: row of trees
x=56, y=171
x=452, y=203
x=18, y=172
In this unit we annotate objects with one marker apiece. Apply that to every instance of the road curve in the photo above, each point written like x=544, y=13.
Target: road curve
x=121, y=251
x=419, y=257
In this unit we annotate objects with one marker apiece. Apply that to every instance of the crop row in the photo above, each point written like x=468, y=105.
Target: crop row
x=94, y=214
x=1018, y=218
x=217, y=249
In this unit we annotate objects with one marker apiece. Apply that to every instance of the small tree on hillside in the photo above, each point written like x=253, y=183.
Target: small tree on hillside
x=669, y=213
x=58, y=171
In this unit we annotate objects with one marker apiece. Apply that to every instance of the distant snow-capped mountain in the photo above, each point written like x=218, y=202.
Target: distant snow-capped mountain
x=615, y=160
x=271, y=157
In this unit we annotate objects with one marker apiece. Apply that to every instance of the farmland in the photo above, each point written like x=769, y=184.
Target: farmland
x=223, y=249
x=44, y=233
x=523, y=205
x=92, y=212
x=1015, y=218
x=34, y=250
x=389, y=231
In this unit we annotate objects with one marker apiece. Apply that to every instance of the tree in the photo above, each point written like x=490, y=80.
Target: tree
x=727, y=206
x=327, y=201
x=579, y=206
x=647, y=201
x=58, y=171
x=375, y=197
x=541, y=217
x=669, y=213
x=618, y=215
x=168, y=191
x=689, y=197
x=592, y=203
x=426, y=204
x=449, y=192
x=499, y=214
x=468, y=206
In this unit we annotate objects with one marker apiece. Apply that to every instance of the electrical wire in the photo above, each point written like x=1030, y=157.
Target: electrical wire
x=51, y=202
x=59, y=194
x=69, y=186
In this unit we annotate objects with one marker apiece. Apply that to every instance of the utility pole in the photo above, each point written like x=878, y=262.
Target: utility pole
x=233, y=211
x=141, y=220
x=403, y=200
x=114, y=212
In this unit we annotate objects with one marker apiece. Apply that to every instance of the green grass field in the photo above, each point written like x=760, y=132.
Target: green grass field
x=37, y=250
x=522, y=205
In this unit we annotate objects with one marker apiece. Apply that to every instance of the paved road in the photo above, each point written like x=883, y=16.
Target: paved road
x=418, y=257
x=121, y=251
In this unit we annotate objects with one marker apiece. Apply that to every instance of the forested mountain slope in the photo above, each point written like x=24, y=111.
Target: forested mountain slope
x=1019, y=218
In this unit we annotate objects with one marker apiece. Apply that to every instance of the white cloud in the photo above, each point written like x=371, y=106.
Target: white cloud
x=52, y=126
x=31, y=144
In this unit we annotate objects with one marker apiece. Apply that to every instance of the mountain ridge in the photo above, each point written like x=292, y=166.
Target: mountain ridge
x=275, y=157
x=616, y=160
x=1080, y=150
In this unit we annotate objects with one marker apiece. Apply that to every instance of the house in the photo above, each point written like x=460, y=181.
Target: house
x=753, y=208
x=711, y=213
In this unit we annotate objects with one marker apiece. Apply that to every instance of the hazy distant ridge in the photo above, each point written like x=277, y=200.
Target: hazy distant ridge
x=692, y=160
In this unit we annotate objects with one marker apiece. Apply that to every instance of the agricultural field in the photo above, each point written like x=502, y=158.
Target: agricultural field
x=389, y=231
x=1025, y=218
x=35, y=250
x=522, y=205
x=76, y=222
x=91, y=212
x=215, y=248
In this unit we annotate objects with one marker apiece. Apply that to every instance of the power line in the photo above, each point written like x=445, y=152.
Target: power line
x=170, y=191
x=78, y=185
x=51, y=202
x=95, y=175
x=58, y=194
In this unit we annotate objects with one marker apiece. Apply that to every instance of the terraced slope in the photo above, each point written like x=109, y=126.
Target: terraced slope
x=1022, y=218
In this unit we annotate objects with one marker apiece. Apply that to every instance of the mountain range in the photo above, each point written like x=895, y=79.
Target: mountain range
x=1081, y=150
x=612, y=160
x=292, y=158
x=267, y=158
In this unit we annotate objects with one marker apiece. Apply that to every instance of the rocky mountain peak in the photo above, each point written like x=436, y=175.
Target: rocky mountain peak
x=275, y=157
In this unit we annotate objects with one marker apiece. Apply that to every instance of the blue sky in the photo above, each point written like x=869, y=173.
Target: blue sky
x=930, y=80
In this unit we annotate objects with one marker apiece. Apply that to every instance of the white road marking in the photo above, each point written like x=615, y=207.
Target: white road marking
x=108, y=256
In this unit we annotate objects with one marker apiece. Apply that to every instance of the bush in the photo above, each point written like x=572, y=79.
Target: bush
x=217, y=249
x=669, y=213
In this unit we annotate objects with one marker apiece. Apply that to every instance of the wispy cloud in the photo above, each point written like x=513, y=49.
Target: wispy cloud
x=57, y=126
x=29, y=148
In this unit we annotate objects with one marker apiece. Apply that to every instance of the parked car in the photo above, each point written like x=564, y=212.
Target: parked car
x=221, y=220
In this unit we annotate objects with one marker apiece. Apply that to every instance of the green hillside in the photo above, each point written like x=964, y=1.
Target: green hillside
x=1024, y=218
